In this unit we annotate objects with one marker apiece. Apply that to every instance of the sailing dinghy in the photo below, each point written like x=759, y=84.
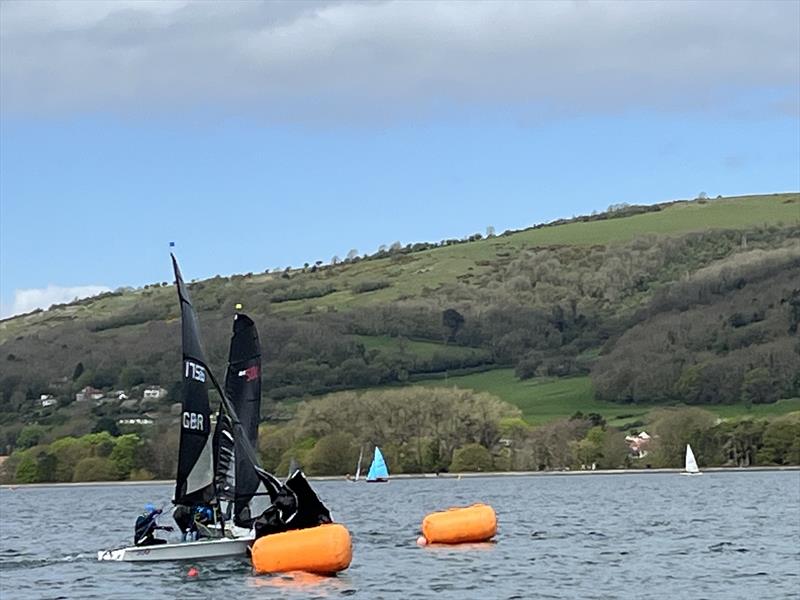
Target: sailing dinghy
x=378, y=472
x=358, y=465
x=691, y=467
x=220, y=467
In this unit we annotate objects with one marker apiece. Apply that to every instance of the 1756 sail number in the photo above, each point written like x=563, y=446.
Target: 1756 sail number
x=194, y=371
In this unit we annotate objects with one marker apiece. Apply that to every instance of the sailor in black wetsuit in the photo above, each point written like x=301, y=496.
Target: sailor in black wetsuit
x=146, y=527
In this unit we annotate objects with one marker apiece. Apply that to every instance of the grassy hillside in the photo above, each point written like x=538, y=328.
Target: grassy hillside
x=415, y=274
x=548, y=304
x=546, y=399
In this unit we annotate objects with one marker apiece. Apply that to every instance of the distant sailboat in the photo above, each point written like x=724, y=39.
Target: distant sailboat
x=378, y=473
x=358, y=465
x=691, y=467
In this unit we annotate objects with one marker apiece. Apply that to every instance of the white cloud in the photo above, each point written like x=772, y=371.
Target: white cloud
x=309, y=61
x=31, y=299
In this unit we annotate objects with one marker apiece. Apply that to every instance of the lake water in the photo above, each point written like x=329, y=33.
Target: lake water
x=722, y=535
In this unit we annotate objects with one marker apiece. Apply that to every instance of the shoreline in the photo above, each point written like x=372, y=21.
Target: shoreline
x=456, y=476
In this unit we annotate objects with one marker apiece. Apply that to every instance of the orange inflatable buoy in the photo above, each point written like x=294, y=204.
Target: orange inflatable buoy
x=476, y=523
x=324, y=550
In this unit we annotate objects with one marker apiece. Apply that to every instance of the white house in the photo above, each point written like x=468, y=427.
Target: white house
x=48, y=400
x=637, y=444
x=154, y=393
x=136, y=421
x=88, y=393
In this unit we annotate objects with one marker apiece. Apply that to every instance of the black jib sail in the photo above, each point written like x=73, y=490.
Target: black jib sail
x=243, y=389
x=194, y=482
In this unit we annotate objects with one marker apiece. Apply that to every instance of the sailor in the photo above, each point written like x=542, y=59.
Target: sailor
x=146, y=527
x=194, y=520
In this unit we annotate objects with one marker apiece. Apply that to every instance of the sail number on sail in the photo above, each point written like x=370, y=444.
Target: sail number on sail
x=194, y=371
x=193, y=421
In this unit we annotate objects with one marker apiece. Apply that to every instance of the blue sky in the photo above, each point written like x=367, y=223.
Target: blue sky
x=342, y=125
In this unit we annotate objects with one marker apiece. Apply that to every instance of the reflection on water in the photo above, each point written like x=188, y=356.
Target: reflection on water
x=724, y=535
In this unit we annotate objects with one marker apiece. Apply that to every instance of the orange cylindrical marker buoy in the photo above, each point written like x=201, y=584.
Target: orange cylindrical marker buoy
x=476, y=523
x=324, y=550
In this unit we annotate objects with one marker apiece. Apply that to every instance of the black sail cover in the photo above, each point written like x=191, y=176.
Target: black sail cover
x=243, y=389
x=194, y=482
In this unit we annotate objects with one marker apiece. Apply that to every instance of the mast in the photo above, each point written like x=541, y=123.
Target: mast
x=194, y=480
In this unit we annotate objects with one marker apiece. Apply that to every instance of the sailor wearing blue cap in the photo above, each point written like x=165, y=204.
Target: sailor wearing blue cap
x=146, y=527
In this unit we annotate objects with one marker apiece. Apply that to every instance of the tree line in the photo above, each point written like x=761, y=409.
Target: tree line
x=425, y=430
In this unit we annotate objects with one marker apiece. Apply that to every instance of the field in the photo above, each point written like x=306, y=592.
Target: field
x=543, y=400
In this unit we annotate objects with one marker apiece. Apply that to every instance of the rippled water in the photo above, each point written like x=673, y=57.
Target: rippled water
x=722, y=535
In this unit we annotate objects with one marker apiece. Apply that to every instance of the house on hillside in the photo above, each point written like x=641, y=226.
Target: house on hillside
x=154, y=392
x=88, y=393
x=48, y=400
x=135, y=421
x=637, y=444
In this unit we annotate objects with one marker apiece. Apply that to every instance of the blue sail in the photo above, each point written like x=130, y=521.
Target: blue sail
x=378, y=470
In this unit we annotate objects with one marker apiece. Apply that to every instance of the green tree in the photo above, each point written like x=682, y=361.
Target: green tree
x=615, y=450
x=106, y=424
x=69, y=451
x=77, y=371
x=273, y=442
x=759, y=387
x=130, y=376
x=674, y=429
x=781, y=441
x=36, y=465
x=471, y=458
x=30, y=436
x=84, y=379
x=589, y=450
x=741, y=440
x=334, y=454
x=94, y=468
x=453, y=321
x=27, y=469
x=124, y=454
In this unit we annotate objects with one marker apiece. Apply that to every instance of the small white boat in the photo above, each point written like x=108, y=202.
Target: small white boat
x=691, y=467
x=212, y=548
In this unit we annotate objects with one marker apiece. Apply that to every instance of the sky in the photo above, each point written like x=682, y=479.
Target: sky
x=261, y=135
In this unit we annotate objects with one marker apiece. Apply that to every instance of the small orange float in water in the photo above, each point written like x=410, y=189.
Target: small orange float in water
x=325, y=550
x=476, y=523
x=193, y=572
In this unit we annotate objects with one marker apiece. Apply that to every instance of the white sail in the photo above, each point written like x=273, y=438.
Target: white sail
x=691, y=463
x=358, y=466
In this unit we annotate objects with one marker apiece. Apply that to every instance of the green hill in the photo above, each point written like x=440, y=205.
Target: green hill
x=562, y=300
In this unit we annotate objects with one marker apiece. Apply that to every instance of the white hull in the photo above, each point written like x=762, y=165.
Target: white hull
x=687, y=473
x=215, y=548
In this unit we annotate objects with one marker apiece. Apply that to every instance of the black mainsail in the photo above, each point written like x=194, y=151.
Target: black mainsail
x=194, y=481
